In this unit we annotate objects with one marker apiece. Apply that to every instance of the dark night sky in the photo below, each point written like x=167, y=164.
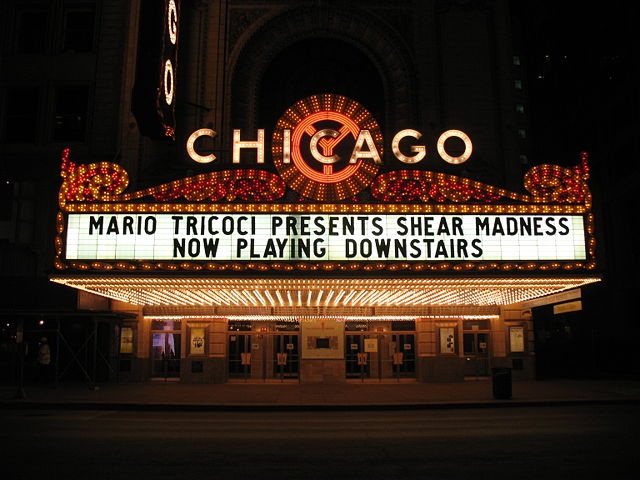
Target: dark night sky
x=581, y=67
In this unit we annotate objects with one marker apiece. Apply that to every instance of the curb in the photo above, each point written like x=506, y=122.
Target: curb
x=190, y=407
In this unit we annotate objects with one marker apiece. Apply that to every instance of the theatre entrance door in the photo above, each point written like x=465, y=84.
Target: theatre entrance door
x=263, y=352
x=165, y=350
x=476, y=353
x=377, y=350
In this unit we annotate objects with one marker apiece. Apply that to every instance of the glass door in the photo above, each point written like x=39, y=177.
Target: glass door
x=404, y=355
x=476, y=352
x=239, y=348
x=357, y=361
x=165, y=355
x=380, y=351
x=286, y=356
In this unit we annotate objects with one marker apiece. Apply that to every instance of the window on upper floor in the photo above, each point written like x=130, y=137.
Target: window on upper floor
x=18, y=210
x=78, y=29
x=70, y=113
x=31, y=30
x=21, y=108
x=41, y=28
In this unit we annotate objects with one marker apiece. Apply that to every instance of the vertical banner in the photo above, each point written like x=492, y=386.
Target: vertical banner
x=516, y=339
x=447, y=340
x=126, y=340
x=197, y=341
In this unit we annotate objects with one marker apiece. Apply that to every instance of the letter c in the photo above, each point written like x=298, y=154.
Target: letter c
x=192, y=140
x=313, y=145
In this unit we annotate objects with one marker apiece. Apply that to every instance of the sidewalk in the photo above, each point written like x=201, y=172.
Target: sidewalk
x=181, y=396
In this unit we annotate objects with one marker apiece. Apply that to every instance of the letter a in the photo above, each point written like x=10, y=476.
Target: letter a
x=365, y=136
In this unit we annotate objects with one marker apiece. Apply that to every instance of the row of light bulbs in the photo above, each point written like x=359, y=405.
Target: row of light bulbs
x=326, y=293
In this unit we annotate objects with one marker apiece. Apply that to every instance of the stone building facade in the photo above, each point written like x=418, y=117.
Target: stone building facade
x=77, y=77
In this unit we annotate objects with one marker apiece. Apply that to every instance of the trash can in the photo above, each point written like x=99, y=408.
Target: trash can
x=501, y=378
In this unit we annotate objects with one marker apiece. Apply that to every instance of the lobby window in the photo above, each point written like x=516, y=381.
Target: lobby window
x=356, y=326
x=407, y=326
x=21, y=114
x=31, y=30
x=166, y=325
x=476, y=325
x=70, y=113
x=287, y=326
x=239, y=326
x=78, y=29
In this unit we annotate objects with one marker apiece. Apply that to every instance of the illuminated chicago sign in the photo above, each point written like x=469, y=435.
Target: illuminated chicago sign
x=329, y=147
x=168, y=87
x=328, y=150
x=154, y=95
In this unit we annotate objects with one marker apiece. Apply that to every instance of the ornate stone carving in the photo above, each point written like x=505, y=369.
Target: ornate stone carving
x=241, y=20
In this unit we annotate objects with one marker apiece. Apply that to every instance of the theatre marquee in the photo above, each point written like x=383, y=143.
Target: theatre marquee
x=328, y=150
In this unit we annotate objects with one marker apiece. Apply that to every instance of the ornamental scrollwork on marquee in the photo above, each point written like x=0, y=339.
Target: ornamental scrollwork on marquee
x=106, y=182
x=545, y=183
x=552, y=183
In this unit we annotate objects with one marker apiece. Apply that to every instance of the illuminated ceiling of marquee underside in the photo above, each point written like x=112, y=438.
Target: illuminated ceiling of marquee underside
x=343, y=293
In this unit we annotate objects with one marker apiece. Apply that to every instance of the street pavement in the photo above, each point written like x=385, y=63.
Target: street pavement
x=392, y=394
x=564, y=442
x=530, y=443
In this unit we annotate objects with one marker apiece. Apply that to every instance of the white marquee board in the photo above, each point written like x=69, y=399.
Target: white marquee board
x=325, y=237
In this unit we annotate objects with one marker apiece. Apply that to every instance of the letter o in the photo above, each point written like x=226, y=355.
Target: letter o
x=468, y=147
x=228, y=225
x=168, y=82
x=150, y=225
